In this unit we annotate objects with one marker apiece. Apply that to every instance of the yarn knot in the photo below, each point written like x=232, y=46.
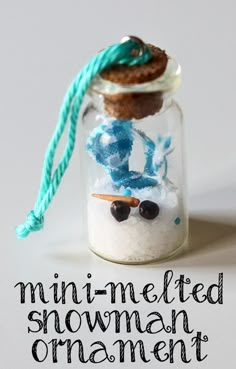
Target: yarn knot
x=32, y=224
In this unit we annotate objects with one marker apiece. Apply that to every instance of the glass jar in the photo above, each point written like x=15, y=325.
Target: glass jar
x=133, y=134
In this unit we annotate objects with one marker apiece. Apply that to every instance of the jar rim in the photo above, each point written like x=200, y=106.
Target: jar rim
x=168, y=82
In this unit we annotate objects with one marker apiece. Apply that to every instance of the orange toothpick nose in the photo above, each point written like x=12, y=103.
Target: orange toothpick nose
x=131, y=201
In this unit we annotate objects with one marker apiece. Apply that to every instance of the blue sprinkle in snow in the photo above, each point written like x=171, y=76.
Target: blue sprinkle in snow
x=127, y=192
x=177, y=221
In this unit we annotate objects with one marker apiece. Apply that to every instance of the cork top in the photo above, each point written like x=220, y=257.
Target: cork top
x=135, y=92
x=147, y=72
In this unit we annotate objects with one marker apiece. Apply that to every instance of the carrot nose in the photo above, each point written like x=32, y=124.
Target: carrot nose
x=131, y=201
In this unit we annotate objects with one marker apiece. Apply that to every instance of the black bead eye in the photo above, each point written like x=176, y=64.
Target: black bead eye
x=149, y=209
x=120, y=210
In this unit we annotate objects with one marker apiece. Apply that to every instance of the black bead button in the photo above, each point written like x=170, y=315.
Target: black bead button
x=149, y=209
x=120, y=210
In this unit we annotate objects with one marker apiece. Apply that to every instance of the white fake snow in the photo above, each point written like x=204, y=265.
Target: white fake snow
x=136, y=239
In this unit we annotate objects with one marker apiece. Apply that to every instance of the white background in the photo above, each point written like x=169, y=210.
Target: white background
x=43, y=46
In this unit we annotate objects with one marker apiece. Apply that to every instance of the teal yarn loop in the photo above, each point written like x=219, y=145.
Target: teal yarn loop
x=120, y=53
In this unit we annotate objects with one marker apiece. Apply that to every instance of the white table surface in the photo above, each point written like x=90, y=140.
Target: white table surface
x=43, y=45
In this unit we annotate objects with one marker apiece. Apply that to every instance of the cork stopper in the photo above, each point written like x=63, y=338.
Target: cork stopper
x=135, y=105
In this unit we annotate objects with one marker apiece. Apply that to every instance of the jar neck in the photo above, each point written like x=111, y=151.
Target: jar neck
x=131, y=106
x=136, y=101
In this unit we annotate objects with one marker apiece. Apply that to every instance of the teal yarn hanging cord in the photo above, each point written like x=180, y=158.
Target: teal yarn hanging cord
x=120, y=53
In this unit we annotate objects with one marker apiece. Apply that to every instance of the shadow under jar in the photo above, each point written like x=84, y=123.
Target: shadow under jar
x=133, y=133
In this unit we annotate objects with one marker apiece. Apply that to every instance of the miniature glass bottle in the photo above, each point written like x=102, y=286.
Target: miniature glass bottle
x=134, y=163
